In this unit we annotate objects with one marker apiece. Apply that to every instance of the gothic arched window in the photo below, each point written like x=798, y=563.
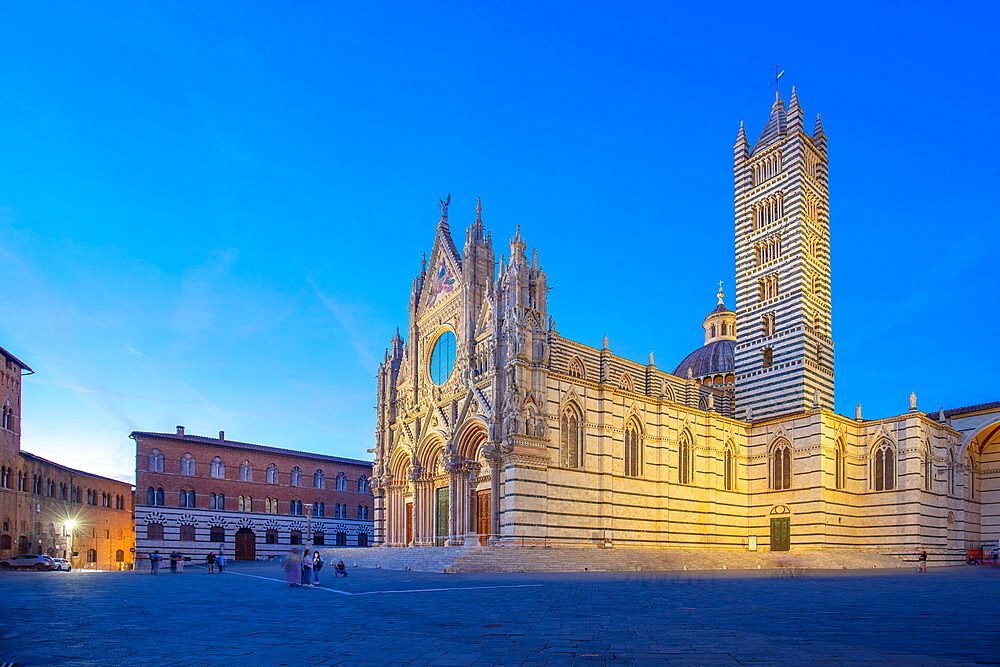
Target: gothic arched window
x=295, y=477
x=571, y=437
x=633, y=449
x=246, y=471
x=363, y=484
x=341, y=481
x=883, y=466
x=576, y=369
x=729, y=468
x=840, y=466
x=319, y=480
x=951, y=473
x=217, y=468
x=928, y=467
x=154, y=462
x=187, y=465
x=685, y=459
x=781, y=466
x=271, y=474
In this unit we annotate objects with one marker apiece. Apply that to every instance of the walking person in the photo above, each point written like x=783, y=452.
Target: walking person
x=293, y=568
x=221, y=560
x=154, y=562
x=307, y=568
x=174, y=556
x=922, y=559
x=317, y=566
x=210, y=559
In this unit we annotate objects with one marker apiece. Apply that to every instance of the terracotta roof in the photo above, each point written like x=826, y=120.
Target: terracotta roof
x=968, y=408
x=234, y=444
x=29, y=455
x=17, y=361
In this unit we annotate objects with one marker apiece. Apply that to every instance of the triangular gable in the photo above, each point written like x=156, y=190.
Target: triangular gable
x=444, y=273
x=485, y=323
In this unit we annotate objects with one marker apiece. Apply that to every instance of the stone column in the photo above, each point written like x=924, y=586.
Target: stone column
x=379, y=507
x=492, y=454
x=453, y=464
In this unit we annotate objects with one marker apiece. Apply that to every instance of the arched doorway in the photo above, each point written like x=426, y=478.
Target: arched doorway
x=246, y=544
x=983, y=487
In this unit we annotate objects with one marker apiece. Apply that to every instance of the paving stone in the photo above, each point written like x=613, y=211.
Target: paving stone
x=549, y=618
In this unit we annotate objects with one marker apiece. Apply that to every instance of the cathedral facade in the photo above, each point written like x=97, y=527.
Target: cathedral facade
x=494, y=427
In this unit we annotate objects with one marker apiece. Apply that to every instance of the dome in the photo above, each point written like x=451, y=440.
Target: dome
x=715, y=357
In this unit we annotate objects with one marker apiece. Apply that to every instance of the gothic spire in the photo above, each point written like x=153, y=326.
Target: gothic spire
x=819, y=137
x=794, y=111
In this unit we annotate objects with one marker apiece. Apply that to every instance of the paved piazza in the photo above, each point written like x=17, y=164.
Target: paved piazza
x=247, y=616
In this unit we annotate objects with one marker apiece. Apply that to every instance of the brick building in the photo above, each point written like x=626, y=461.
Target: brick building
x=46, y=507
x=195, y=493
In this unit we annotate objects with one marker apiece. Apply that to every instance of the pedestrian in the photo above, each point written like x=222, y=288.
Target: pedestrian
x=922, y=559
x=173, y=562
x=307, y=568
x=293, y=568
x=317, y=565
x=210, y=559
x=221, y=560
x=339, y=569
x=154, y=562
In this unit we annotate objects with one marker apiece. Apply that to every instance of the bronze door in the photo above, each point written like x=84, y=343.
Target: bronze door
x=483, y=515
x=409, y=524
x=780, y=534
x=246, y=544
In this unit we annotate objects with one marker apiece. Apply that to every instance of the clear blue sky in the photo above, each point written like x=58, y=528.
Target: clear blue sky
x=211, y=213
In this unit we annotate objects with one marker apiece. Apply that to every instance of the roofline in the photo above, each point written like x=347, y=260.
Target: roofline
x=967, y=409
x=236, y=444
x=17, y=361
x=74, y=470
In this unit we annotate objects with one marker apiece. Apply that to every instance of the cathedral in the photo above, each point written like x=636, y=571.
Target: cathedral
x=493, y=427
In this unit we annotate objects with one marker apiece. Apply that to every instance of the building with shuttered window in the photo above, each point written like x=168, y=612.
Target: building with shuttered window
x=195, y=494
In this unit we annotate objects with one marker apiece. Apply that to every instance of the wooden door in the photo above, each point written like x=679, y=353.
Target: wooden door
x=780, y=534
x=483, y=515
x=246, y=544
x=409, y=524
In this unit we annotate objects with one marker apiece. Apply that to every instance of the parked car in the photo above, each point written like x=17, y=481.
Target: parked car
x=38, y=562
x=62, y=564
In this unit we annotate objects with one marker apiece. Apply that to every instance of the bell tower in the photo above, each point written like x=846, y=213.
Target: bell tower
x=784, y=350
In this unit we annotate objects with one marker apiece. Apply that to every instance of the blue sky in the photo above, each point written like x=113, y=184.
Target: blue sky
x=211, y=213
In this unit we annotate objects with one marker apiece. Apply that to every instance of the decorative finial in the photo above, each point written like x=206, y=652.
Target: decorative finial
x=651, y=358
x=720, y=293
x=913, y=401
x=778, y=73
x=605, y=341
x=443, y=203
x=479, y=209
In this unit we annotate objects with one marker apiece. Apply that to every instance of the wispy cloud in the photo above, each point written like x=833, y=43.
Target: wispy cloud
x=349, y=319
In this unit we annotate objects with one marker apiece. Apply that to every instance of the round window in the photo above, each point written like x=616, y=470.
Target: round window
x=443, y=358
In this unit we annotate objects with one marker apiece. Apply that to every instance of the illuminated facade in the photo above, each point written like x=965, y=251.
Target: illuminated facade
x=46, y=507
x=492, y=425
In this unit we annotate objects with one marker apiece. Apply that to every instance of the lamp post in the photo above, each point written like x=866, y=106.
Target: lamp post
x=70, y=524
x=309, y=516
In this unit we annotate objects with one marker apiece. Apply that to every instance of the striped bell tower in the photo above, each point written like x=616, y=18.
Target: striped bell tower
x=784, y=349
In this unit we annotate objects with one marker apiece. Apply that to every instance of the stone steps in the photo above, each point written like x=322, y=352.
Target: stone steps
x=471, y=559
x=419, y=559
x=577, y=559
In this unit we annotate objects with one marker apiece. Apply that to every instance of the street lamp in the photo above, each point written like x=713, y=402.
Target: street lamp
x=70, y=524
x=309, y=516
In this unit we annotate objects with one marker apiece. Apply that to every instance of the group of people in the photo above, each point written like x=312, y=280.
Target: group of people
x=303, y=568
x=177, y=561
x=213, y=560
